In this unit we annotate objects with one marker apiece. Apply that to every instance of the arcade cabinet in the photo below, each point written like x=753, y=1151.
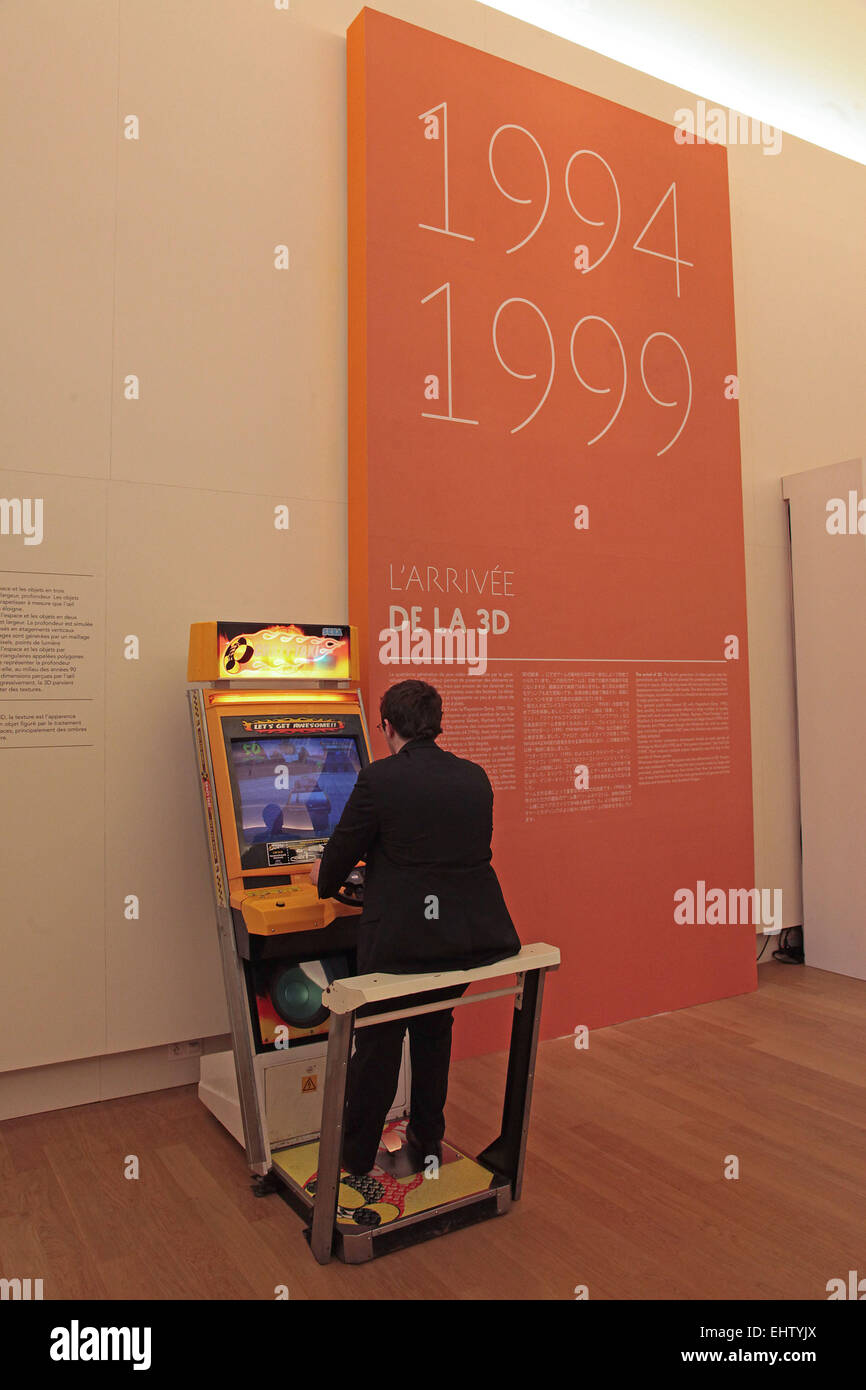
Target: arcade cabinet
x=280, y=736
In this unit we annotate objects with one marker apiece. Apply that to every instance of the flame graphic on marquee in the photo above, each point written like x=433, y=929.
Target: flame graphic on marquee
x=287, y=651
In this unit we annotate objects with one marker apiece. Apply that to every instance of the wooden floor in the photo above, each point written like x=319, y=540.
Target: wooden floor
x=624, y=1191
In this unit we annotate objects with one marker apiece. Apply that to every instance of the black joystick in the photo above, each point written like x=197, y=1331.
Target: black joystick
x=351, y=893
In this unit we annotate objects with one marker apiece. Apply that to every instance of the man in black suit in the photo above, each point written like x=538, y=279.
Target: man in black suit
x=422, y=820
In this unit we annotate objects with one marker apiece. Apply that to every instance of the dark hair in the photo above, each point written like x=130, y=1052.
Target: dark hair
x=414, y=708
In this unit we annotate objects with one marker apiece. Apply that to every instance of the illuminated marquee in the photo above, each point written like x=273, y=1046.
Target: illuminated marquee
x=270, y=651
x=311, y=725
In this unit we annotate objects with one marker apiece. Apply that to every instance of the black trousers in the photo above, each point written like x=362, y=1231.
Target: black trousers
x=375, y=1070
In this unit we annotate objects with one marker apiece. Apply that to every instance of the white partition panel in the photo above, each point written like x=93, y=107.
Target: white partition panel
x=827, y=508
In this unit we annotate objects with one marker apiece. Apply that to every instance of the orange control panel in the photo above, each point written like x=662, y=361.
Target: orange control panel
x=286, y=908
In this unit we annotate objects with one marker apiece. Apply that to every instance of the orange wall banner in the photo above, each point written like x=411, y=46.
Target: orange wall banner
x=545, y=503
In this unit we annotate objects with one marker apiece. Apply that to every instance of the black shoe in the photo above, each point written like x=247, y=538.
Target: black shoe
x=424, y=1151
x=355, y=1172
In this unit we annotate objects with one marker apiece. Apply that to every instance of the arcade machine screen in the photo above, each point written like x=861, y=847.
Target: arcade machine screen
x=290, y=795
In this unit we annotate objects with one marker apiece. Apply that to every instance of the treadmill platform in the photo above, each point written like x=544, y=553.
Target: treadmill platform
x=391, y=1200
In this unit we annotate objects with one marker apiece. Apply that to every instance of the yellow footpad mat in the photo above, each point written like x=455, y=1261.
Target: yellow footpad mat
x=380, y=1196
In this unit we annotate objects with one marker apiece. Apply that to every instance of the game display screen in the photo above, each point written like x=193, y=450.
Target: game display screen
x=290, y=794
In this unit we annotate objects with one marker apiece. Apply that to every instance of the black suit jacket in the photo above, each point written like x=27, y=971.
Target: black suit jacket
x=422, y=819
